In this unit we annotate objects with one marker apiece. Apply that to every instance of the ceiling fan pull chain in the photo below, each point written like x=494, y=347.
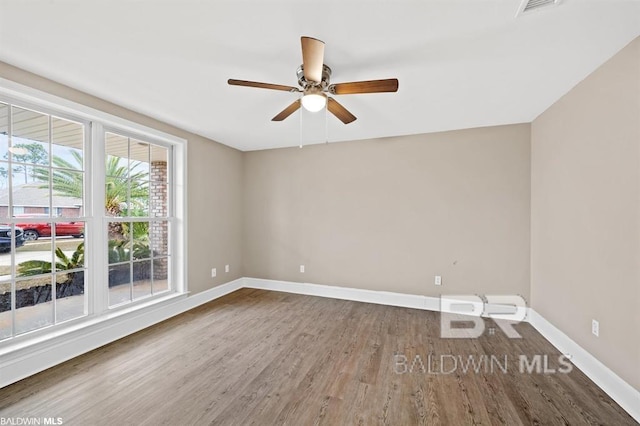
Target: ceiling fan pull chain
x=326, y=126
x=301, y=128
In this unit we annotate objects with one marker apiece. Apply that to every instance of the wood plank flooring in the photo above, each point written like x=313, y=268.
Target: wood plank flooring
x=258, y=357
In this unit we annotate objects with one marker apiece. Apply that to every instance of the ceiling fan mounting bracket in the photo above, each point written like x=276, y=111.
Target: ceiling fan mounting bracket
x=323, y=84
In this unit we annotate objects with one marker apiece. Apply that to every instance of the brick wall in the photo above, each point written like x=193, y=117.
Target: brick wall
x=159, y=232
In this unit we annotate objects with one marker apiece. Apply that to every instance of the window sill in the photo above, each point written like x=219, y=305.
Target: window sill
x=18, y=346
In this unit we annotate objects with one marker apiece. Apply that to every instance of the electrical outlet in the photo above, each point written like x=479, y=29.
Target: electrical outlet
x=595, y=327
x=302, y=269
x=213, y=272
x=226, y=268
x=438, y=280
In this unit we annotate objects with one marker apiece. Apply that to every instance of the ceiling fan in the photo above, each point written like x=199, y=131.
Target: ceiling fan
x=314, y=79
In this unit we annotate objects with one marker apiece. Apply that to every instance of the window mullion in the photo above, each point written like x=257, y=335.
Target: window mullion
x=54, y=298
x=10, y=213
x=97, y=221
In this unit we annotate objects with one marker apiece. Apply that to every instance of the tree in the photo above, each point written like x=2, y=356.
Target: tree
x=68, y=182
x=4, y=174
x=32, y=153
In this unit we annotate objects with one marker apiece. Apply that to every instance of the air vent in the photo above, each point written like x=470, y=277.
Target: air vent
x=531, y=5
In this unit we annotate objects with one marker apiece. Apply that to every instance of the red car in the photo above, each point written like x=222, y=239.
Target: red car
x=33, y=231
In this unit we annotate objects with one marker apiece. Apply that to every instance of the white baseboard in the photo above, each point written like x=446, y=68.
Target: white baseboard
x=404, y=300
x=614, y=386
x=345, y=293
x=32, y=358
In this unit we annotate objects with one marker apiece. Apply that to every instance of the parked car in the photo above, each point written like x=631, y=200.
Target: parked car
x=5, y=238
x=33, y=231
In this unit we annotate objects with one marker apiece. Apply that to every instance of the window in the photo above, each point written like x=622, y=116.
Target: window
x=42, y=268
x=138, y=207
x=91, y=210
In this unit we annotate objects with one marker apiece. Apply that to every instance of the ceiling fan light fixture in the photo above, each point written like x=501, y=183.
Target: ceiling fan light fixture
x=314, y=100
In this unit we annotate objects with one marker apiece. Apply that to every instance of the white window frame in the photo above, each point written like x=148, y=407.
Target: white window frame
x=97, y=123
x=171, y=218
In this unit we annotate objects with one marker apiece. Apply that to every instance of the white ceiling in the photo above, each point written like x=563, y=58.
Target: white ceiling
x=460, y=63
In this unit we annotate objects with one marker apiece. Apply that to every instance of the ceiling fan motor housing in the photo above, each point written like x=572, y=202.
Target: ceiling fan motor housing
x=323, y=84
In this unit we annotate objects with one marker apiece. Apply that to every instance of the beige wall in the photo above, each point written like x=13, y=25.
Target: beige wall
x=585, y=219
x=214, y=187
x=390, y=214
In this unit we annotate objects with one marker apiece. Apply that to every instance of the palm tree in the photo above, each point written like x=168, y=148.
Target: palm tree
x=68, y=182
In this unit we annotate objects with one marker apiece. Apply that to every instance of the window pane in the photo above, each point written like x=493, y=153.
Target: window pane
x=139, y=171
x=159, y=199
x=8, y=233
x=30, y=144
x=4, y=189
x=118, y=250
x=140, y=153
x=36, y=234
x=141, y=279
x=30, y=126
x=34, y=257
x=67, y=200
x=160, y=274
x=5, y=247
x=70, y=249
x=159, y=234
x=119, y=284
x=34, y=306
x=138, y=205
x=67, y=144
x=117, y=148
x=116, y=196
x=4, y=131
x=70, y=299
x=5, y=309
x=140, y=234
x=159, y=162
x=32, y=200
x=30, y=153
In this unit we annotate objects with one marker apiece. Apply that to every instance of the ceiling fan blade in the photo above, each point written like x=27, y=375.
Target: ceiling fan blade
x=312, y=58
x=339, y=111
x=287, y=111
x=371, y=86
x=262, y=85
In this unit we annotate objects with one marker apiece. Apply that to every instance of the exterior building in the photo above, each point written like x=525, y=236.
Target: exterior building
x=31, y=199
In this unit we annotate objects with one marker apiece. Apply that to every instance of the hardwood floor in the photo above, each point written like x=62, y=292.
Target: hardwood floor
x=258, y=357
